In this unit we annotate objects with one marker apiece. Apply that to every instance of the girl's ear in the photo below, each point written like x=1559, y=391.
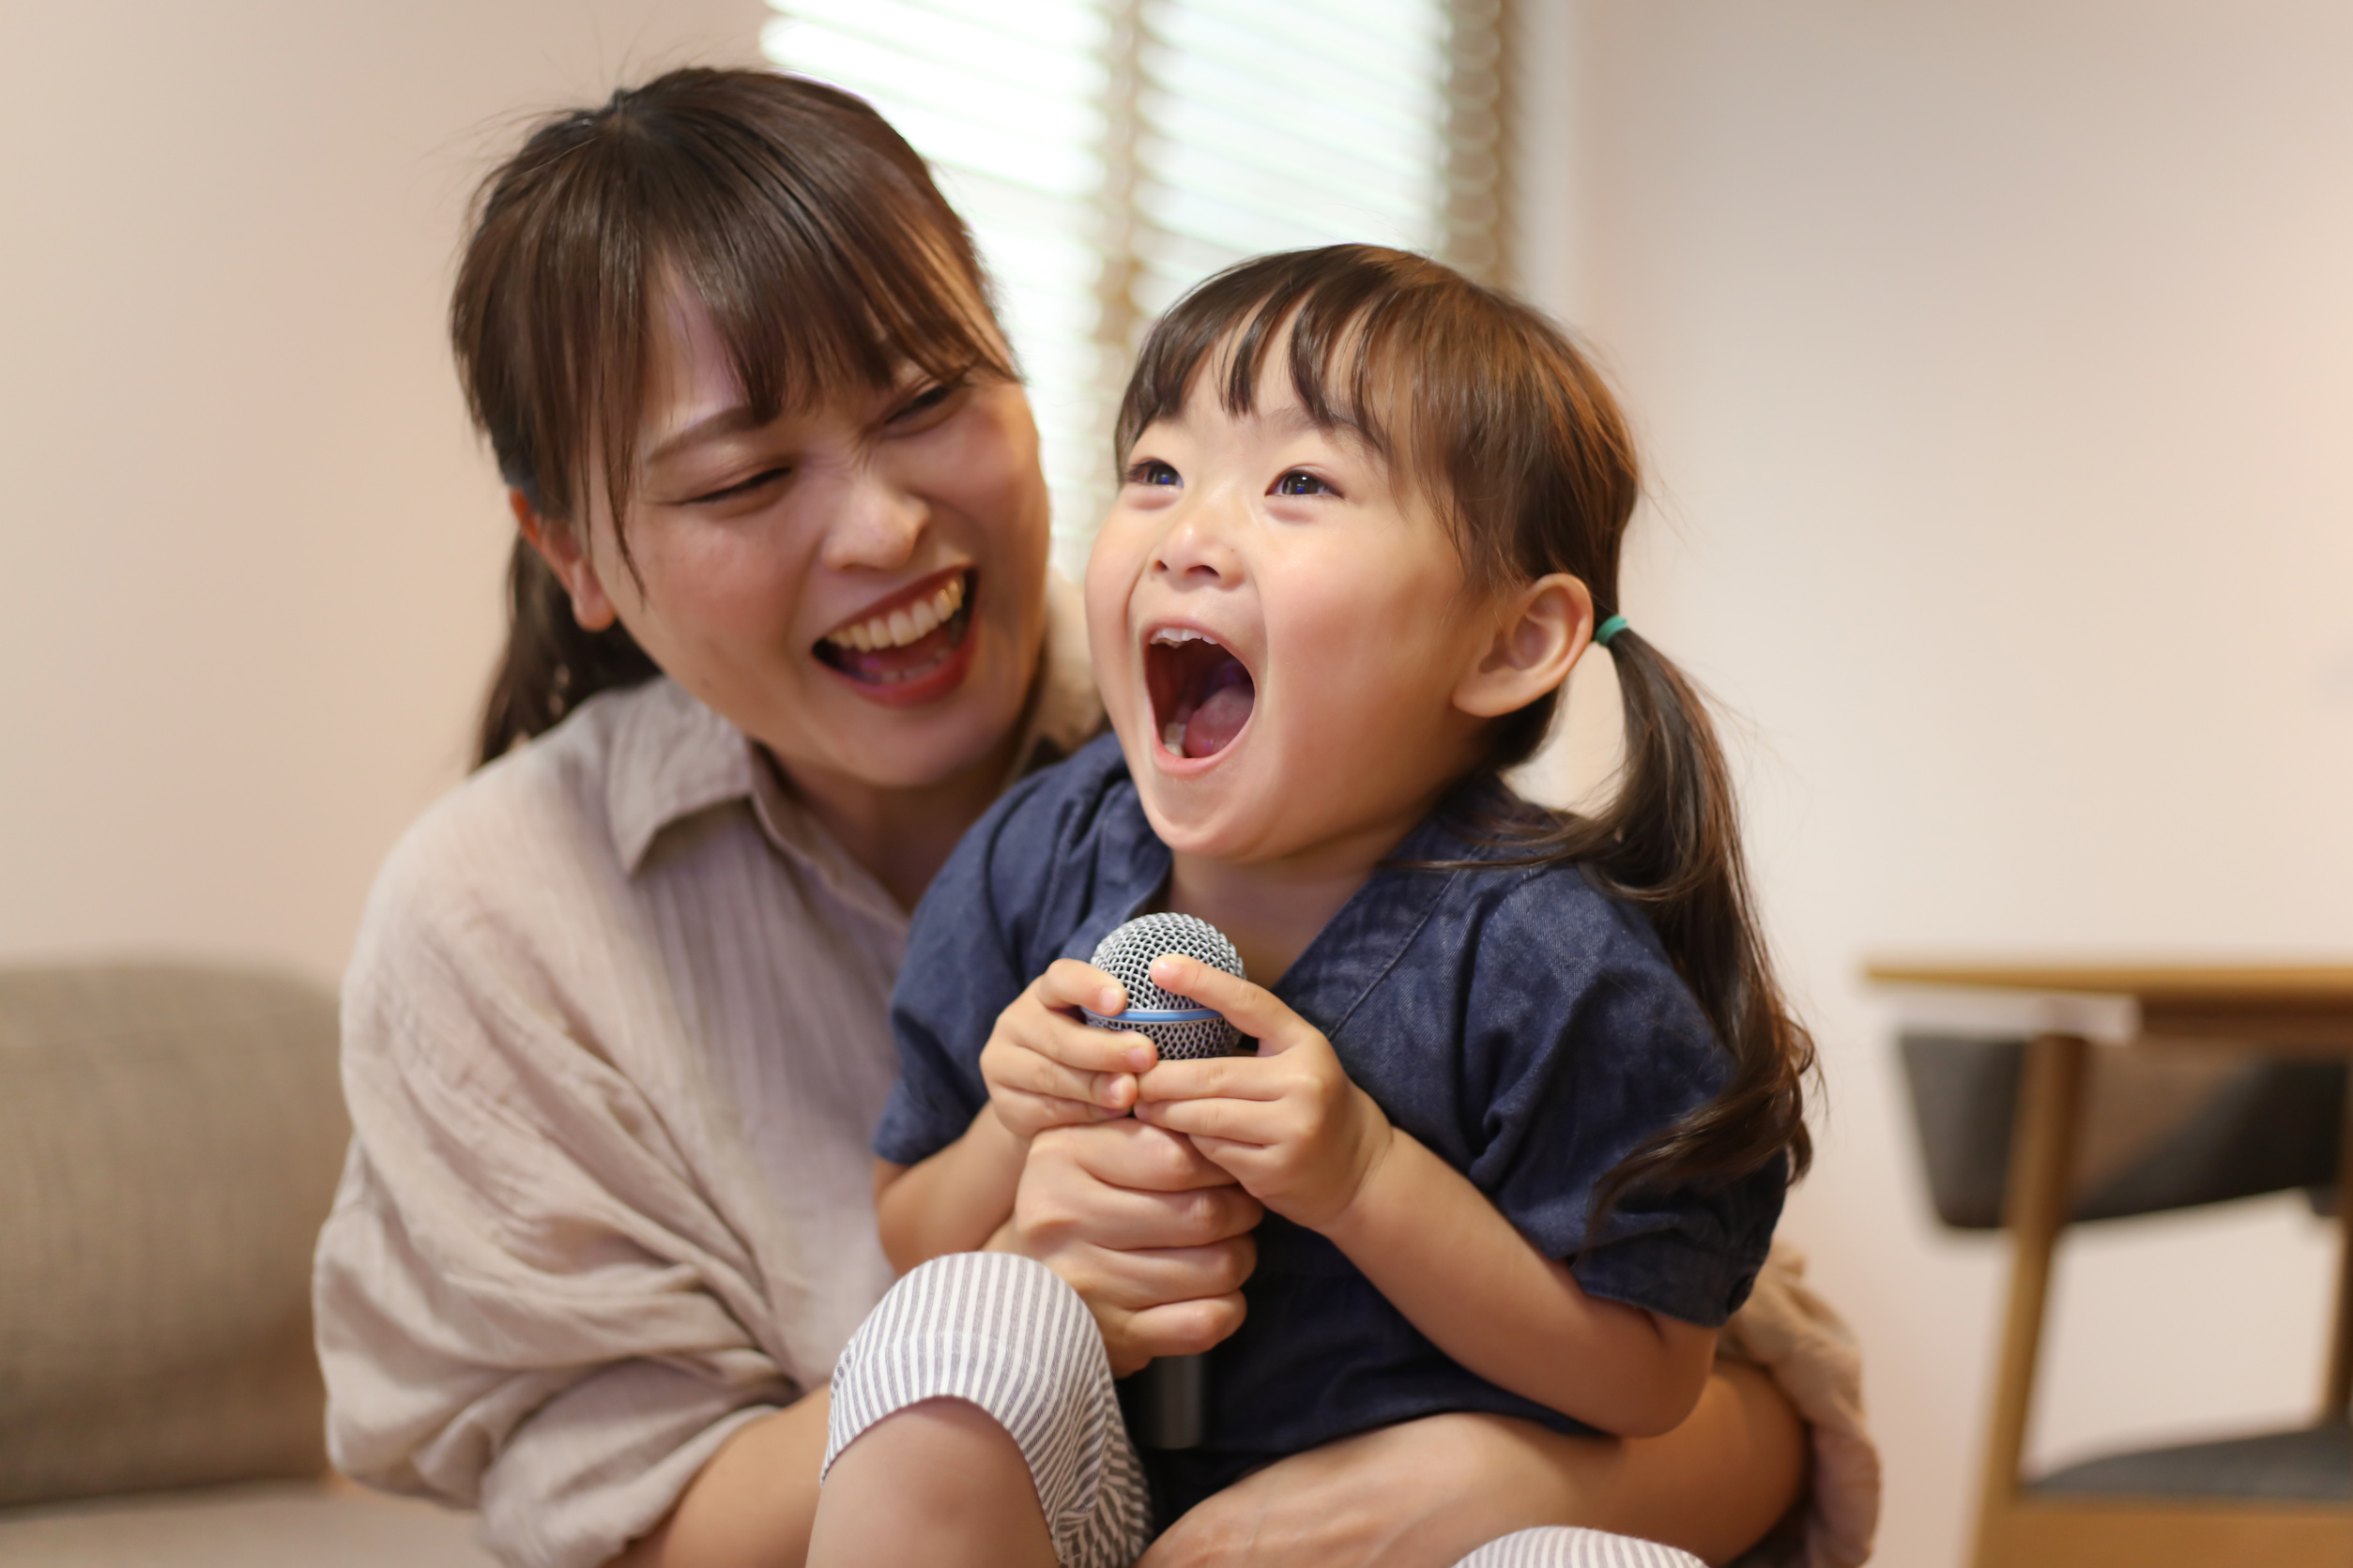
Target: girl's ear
x=562, y=548
x=1539, y=632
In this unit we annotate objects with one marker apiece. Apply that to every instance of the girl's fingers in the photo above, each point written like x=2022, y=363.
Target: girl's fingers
x=1255, y=1122
x=1252, y=1009
x=1008, y=1065
x=1080, y=1046
x=1031, y=1113
x=1213, y=1078
x=1068, y=983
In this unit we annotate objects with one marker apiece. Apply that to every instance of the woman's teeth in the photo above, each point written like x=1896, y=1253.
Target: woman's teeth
x=907, y=624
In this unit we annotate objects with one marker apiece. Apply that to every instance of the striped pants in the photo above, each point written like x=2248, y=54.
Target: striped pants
x=1008, y=1335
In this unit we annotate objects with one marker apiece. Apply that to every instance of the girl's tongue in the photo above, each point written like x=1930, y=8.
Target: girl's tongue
x=1203, y=696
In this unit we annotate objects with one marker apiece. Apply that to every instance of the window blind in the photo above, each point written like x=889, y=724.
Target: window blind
x=1108, y=154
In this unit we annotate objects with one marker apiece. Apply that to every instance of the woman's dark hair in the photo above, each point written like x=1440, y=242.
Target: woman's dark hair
x=806, y=227
x=1481, y=405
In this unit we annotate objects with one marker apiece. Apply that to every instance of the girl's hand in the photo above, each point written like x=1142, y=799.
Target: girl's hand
x=1298, y=1135
x=1047, y=1067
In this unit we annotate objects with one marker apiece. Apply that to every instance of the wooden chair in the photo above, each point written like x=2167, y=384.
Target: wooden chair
x=2263, y=1122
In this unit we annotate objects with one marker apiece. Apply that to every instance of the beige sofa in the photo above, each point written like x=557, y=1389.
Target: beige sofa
x=169, y=1142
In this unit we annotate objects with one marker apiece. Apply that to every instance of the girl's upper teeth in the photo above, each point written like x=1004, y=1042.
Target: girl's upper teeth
x=1169, y=636
x=908, y=623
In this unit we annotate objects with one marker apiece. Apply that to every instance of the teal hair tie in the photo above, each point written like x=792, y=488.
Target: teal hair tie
x=1608, y=630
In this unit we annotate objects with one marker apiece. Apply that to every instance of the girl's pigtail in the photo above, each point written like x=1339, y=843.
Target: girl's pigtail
x=1671, y=843
x=552, y=663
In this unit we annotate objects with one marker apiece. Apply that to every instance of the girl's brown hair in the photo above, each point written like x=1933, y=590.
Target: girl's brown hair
x=1482, y=405
x=802, y=222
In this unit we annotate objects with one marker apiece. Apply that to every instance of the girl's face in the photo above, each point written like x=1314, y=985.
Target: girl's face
x=859, y=585
x=1281, y=635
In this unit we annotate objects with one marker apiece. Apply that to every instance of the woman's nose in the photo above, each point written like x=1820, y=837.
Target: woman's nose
x=878, y=526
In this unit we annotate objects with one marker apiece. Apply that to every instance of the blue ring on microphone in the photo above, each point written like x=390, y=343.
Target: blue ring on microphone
x=1153, y=1015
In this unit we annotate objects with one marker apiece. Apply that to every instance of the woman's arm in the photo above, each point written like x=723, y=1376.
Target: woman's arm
x=1430, y=1491
x=1315, y=1149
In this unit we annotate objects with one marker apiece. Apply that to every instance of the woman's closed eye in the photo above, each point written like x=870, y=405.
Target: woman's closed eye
x=926, y=407
x=742, y=488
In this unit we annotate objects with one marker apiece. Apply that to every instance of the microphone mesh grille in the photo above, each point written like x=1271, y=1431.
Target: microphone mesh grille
x=1126, y=956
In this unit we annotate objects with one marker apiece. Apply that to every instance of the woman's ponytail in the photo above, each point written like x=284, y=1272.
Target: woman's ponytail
x=552, y=663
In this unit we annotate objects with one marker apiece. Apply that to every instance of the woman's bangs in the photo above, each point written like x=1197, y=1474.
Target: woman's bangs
x=809, y=316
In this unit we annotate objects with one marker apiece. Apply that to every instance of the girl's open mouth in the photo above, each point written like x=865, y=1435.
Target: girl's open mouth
x=1201, y=695
x=903, y=646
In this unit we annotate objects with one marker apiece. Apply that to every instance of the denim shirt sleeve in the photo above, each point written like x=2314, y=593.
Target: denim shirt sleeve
x=1591, y=1044
x=963, y=965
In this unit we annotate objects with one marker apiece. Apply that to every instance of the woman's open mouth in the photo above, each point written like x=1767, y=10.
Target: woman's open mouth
x=1201, y=695
x=903, y=648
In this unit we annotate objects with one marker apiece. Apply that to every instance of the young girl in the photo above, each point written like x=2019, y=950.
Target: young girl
x=1523, y=1079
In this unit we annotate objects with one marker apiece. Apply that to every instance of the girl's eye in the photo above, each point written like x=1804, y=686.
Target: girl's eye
x=764, y=477
x=1298, y=482
x=1153, y=471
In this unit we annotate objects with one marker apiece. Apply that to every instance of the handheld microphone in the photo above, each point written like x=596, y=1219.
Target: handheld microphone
x=1168, y=1402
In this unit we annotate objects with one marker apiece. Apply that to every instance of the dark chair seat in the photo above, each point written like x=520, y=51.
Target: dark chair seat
x=2314, y=1464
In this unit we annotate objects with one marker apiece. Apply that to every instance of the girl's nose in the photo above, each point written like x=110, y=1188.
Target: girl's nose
x=878, y=526
x=1197, y=549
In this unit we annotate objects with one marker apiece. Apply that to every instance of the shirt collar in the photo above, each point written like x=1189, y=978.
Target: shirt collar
x=672, y=759
x=677, y=759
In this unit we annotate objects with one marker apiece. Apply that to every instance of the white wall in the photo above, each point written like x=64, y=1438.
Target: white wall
x=249, y=550
x=1996, y=363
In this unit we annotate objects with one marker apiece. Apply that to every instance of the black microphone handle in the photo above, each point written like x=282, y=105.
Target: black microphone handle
x=1169, y=1405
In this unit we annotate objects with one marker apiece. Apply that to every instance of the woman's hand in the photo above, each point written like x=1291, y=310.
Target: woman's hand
x=1047, y=1067
x=1286, y=1123
x=1416, y=1495
x=1153, y=1237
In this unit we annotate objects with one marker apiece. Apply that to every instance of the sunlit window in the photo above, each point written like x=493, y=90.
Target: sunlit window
x=1110, y=153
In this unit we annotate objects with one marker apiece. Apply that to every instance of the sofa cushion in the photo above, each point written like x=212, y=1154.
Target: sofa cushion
x=170, y=1138
x=264, y=1524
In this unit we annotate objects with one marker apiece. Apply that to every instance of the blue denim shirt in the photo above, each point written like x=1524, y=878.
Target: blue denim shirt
x=1524, y=1025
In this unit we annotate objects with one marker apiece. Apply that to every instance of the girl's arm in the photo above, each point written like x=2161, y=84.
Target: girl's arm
x=1315, y=1149
x=953, y=1201
x=1460, y=1272
x=1043, y=1069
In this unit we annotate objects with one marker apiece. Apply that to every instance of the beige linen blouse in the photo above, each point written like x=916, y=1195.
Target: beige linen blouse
x=615, y=1033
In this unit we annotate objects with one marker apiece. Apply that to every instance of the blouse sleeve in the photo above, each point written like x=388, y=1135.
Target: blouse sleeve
x=524, y=1303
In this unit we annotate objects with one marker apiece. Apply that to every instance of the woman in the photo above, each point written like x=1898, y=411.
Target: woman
x=615, y=1027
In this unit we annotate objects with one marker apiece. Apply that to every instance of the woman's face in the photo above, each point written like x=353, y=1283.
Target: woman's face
x=858, y=586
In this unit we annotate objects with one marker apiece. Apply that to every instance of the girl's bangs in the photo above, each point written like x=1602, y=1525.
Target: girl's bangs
x=1334, y=313
x=1385, y=345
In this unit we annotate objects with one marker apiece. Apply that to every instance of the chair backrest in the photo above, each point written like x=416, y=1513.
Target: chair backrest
x=170, y=1138
x=2160, y=1128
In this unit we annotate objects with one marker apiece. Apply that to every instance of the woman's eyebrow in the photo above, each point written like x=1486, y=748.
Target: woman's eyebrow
x=732, y=420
